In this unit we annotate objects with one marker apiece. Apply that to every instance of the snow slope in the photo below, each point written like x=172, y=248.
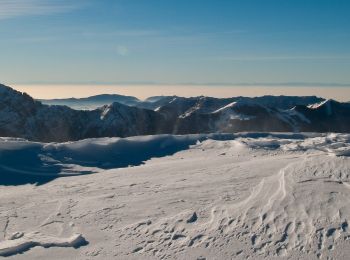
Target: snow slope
x=89, y=155
x=232, y=196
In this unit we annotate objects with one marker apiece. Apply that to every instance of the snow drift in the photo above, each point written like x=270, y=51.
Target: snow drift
x=41, y=162
x=22, y=161
x=225, y=196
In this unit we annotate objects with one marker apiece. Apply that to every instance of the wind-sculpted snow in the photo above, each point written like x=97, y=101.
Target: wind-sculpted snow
x=234, y=196
x=333, y=144
x=301, y=209
x=41, y=162
x=19, y=242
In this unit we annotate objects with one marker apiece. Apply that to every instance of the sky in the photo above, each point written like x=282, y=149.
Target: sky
x=280, y=44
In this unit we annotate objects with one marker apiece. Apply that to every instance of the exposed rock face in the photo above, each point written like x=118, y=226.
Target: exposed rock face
x=22, y=116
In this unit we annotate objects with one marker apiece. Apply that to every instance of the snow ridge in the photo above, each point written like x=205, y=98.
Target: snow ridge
x=21, y=242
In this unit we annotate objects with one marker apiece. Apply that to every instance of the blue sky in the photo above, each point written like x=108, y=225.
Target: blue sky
x=297, y=42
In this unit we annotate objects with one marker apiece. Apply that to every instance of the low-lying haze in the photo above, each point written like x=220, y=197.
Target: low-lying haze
x=51, y=91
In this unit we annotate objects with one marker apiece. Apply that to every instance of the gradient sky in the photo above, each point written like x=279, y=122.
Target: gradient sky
x=249, y=42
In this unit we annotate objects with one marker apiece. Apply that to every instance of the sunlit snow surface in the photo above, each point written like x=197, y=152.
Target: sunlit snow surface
x=225, y=196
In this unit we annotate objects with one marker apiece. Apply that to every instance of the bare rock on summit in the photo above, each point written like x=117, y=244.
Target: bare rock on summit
x=22, y=116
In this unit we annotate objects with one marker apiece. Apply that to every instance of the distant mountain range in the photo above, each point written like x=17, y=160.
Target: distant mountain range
x=116, y=115
x=94, y=102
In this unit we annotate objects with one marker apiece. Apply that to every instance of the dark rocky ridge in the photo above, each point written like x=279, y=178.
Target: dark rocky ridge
x=22, y=116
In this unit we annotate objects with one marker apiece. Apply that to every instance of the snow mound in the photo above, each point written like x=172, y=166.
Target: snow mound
x=50, y=160
x=331, y=144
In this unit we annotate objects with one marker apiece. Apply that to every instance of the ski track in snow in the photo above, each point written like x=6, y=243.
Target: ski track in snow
x=255, y=197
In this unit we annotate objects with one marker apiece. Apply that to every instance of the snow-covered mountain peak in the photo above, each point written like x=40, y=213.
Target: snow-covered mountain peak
x=327, y=102
x=23, y=117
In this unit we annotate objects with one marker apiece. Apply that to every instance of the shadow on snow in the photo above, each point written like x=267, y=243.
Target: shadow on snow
x=23, y=162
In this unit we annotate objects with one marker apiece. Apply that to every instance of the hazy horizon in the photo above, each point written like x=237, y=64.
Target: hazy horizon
x=143, y=91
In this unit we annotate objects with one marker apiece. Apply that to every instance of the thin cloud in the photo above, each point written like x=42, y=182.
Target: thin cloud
x=16, y=8
x=269, y=84
x=194, y=84
x=280, y=58
x=122, y=33
x=170, y=34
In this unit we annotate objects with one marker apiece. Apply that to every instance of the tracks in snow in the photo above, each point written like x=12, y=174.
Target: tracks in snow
x=41, y=235
x=279, y=217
